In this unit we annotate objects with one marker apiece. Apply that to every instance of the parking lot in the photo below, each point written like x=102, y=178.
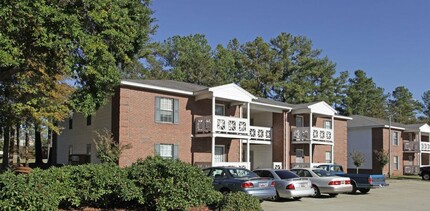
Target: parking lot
x=399, y=195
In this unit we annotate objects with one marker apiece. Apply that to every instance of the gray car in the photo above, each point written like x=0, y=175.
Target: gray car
x=226, y=179
x=287, y=183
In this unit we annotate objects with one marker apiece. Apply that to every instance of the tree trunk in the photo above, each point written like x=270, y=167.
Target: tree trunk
x=11, y=146
x=18, y=142
x=38, y=145
x=6, y=148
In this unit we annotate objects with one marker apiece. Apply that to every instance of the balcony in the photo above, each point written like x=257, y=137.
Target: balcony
x=411, y=169
x=318, y=134
x=231, y=127
x=412, y=146
x=425, y=146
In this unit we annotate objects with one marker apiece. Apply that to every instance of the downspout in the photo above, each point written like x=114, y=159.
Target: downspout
x=213, y=132
x=310, y=140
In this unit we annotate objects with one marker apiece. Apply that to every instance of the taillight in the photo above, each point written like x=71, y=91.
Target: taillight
x=273, y=184
x=370, y=180
x=348, y=182
x=247, y=185
x=290, y=187
x=334, y=183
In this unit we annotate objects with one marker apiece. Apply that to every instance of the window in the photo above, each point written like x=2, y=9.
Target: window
x=219, y=153
x=71, y=123
x=395, y=138
x=88, y=149
x=396, y=162
x=327, y=124
x=299, y=121
x=70, y=149
x=166, y=150
x=328, y=157
x=220, y=110
x=166, y=110
x=89, y=120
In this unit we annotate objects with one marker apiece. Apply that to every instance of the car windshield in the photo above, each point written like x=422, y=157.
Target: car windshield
x=236, y=173
x=322, y=173
x=286, y=174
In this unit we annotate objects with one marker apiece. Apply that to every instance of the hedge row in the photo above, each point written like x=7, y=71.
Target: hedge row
x=153, y=183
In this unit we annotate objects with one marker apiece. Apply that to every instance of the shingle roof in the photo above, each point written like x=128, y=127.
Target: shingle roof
x=272, y=102
x=365, y=121
x=171, y=84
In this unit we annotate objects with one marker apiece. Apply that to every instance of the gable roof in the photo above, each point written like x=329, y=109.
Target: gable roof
x=315, y=107
x=418, y=128
x=165, y=85
x=365, y=121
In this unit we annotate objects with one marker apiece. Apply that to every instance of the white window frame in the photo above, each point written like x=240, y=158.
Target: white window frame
x=328, y=157
x=165, y=114
x=396, y=162
x=395, y=138
x=165, y=152
x=302, y=121
x=220, y=106
x=223, y=152
x=330, y=124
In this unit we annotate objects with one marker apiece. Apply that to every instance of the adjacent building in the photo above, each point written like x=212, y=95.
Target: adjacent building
x=208, y=126
x=408, y=146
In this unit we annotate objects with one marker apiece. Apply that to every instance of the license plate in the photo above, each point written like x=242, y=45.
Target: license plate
x=303, y=185
x=343, y=182
x=262, y=184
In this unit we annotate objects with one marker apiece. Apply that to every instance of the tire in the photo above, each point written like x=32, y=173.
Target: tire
x=276, y=198
x=354, y=188
x=426, y=176
x=297, y=198
x=364, y=190
x=224, y=191
x=317, y=192
x=333, y=194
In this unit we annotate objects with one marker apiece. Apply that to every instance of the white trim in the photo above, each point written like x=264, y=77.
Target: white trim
x=392, y=127
x=270, y=105
x=343, y=117
x=134, y=84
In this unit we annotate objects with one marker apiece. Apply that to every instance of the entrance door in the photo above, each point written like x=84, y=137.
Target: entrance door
x=300, y=156
x=219, y=153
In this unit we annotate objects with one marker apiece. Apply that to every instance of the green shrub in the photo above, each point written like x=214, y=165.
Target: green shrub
x=167, y=184
x=239, y=201
x=100, y=185
x=40, y=190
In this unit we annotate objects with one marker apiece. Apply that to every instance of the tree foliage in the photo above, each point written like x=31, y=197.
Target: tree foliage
x=403, y=107
x=108, y=150
x=382, y=157
x=358, y=158
x=426, y=105
x=363, y=97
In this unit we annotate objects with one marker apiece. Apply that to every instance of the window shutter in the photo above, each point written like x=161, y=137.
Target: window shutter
x=157, y=110
x=157, y=149
x=175, y=111
x=175, y=151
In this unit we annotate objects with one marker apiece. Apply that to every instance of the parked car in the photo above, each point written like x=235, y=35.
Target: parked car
x=324, y=182
x=360, y=182
x=226, y=179
x=425, y=172
x=287, y=183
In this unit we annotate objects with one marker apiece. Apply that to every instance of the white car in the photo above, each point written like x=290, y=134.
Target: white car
x=287, y=183
x=325, y=182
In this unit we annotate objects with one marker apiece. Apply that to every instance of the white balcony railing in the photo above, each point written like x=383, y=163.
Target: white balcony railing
x=260, y=133
x=411, y=146
x=411, y=169
x=318, y=134
x=232, y=125
x=425, y=146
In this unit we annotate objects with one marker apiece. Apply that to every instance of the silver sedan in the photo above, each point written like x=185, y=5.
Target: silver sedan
x=287, y=183
x=325, y=182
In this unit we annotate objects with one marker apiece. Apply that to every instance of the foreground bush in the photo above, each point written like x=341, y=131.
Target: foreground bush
x=40, y=190
x=167, y=184
x=239, y=201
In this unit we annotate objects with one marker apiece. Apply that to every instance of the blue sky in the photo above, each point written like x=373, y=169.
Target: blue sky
x=389, y=39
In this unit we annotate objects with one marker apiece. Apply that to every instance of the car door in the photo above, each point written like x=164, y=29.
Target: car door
x=220, y=178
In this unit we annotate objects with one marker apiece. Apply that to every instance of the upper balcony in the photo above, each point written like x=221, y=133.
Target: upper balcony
x=231, y=127
x=301, y=134
x=415, y=146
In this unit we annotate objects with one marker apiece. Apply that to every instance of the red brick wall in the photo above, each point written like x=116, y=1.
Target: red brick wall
x=137, y=125
x=341, y=142
x=278, y=136
x=381, y=140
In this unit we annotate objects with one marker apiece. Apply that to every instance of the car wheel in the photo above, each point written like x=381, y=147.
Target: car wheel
x=333, y=194
x=297, y=198
x=364, y=190
x=354, y=188
x=317, y=192
x=276, y=198
x=426, y=176
x=224, y=191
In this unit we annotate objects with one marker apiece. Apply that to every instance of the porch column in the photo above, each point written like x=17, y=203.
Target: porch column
x=419, y=152
x=248, y=117
x=311, y=138
x=332, y=136
x=213, y=131
x=332, y=153
x=247, y=153
x=287, y=142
